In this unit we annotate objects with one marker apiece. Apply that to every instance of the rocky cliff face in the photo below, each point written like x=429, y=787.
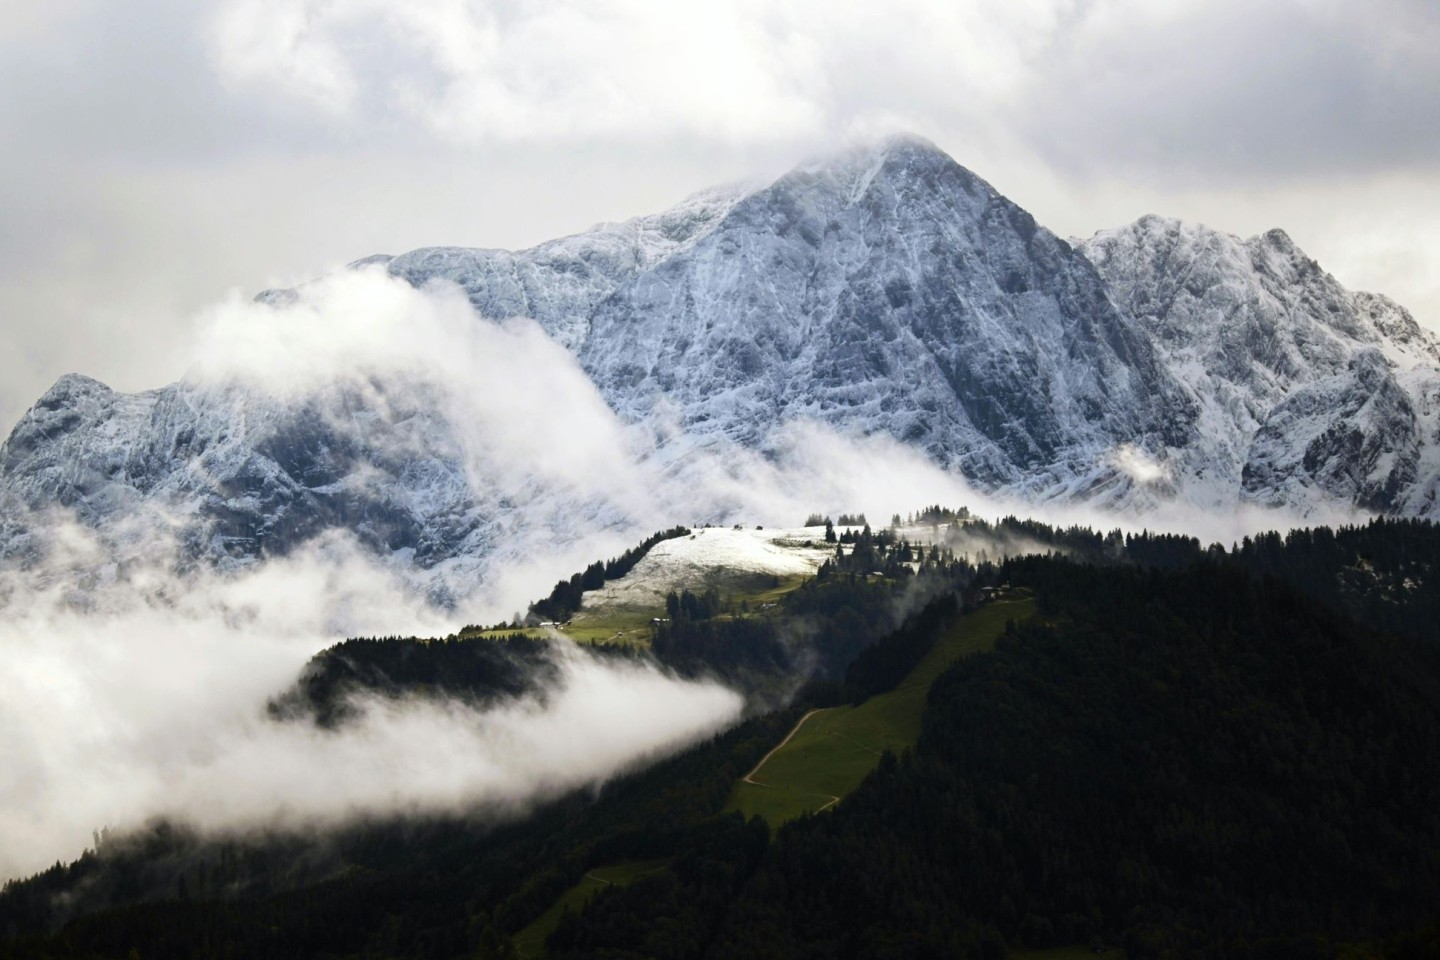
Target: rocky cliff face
x=892, y=290
x=236, y=476
x=1308, y=393
x=886, y=290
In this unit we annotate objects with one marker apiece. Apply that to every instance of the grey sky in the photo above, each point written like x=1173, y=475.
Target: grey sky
x=158, y=155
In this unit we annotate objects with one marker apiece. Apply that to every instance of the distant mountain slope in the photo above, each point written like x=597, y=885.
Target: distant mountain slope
x=228, y=475
x=261, y=476
x=885, y=289
x=560, y=283
x=1308, y=392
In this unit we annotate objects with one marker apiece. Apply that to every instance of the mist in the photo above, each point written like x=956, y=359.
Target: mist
x=134, y=708
x=133, y=683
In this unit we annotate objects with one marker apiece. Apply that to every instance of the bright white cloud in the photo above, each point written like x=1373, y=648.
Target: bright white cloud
x=282, y=43
x=1071, y=75
x=740, y=70
x=1138, y=465
x=135, y=710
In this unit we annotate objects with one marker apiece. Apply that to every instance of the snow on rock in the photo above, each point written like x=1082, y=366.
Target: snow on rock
x=561, y=282
x=714, y=556
x=1309, y=394
x=885, y=289
x=890, y=290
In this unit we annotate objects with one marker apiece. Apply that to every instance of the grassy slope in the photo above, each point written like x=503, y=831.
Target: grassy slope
x=530, y=942
x=616, y=623
x=834, y=749
x=765, y=594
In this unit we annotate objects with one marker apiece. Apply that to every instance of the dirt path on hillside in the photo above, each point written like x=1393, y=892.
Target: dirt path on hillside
x=749, y=777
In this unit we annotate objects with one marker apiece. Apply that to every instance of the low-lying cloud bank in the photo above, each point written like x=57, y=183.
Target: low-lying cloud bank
x=112, y=718
x=133, y=685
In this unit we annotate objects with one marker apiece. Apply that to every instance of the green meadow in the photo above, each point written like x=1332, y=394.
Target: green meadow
x=832, y=750
x=634, y=624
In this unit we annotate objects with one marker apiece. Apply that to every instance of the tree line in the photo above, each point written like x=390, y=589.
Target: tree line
x=565, y=599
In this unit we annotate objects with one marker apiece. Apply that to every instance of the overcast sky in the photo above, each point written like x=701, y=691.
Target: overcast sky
x=158, y=155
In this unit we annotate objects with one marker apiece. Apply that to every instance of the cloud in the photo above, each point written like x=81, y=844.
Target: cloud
x=132, y=684
x=521, y=396
x=485, y=72
x=487, y=433
x=1237, y=91
x=275, y=42
x=740, y=70
x=29, y=23
x=150, y=703
x=1138, y=465
x=1095, y=85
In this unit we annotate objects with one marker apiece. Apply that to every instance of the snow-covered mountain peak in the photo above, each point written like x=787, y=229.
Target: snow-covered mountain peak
x=900, y=164
x=850, y=170
x=1277, y=350
x=1190, y=283
x=1277, y=238
x=559, y=282
x=69, y=386
x=882, y=289
x=677, y=228
x=1406, y=341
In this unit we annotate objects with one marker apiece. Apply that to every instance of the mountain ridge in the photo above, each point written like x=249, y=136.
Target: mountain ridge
x=1271, y=335
x=886, y=289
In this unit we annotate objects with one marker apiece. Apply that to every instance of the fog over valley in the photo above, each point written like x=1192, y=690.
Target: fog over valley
x=136, y=680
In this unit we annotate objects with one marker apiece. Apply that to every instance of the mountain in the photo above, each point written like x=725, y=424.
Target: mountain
x=226, y=475
x=1308, y=392
x=256, y=472
x=889, y=289
x=884, y=289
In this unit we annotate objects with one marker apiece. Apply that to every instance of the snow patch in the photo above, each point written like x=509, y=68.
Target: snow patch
x=711, y=553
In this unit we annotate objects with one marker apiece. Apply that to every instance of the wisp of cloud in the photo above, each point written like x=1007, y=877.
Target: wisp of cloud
x=132, y=709
x=133, y=685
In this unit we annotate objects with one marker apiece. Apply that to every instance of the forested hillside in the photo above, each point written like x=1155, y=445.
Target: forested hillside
x=1186, y=752
x=1192, y=761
